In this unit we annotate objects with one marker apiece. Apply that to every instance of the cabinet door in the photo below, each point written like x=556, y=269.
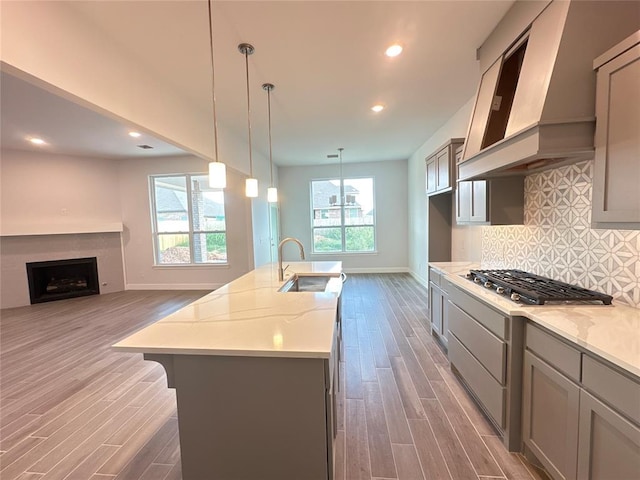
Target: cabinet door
x=431, y=174
x=435, y=306
x=616, y=197
x=463, y=202
x=478, y=197
x=609, y=444
x=443, y=175
x=550, y=417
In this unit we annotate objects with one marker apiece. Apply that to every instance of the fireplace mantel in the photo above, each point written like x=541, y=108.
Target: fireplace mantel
x=60, y=229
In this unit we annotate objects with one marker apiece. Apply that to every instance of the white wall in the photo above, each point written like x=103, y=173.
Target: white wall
x=390, y=181
x=466, y=240
x=140, y=272
x=57, y=191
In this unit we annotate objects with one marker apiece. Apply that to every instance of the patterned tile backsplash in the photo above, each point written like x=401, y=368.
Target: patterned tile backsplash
x=557, y=240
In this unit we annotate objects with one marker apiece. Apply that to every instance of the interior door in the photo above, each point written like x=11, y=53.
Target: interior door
x=274, y=230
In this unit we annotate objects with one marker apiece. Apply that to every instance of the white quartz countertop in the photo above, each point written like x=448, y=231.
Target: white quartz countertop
x=609, y=331
x=249, y=317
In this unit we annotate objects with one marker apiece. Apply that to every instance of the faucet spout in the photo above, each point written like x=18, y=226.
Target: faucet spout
x=280, y=245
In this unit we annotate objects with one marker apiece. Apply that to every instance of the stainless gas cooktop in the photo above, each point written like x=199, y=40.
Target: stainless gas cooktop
x=534, y=289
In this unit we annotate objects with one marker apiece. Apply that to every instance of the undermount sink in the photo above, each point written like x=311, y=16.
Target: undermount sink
x=307, y=283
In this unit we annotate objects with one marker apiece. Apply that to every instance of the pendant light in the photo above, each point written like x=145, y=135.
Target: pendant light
x=251, y=183
x=272, y=192
x=217, y=169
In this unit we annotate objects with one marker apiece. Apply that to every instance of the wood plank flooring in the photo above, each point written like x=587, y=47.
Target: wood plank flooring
x=71, y=408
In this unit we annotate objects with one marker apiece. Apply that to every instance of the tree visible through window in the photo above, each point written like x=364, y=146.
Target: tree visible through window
x=343, y=215
x=188, y=220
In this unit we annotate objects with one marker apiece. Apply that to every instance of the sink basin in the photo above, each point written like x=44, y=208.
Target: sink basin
x=306, y=283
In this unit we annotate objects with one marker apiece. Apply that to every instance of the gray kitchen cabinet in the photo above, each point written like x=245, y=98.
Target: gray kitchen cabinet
x=280, y=412
x=437, y=307
x=581, y=416
x=498, y=201
x=616, y=196
x=609, y=444
x=550, y=417
x=440, y=167
x=485, y=351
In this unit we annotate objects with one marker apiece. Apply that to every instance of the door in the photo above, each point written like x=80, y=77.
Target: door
x=431, y=174
x=274, y=231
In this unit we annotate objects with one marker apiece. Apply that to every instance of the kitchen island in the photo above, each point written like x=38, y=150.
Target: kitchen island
x=253, y=369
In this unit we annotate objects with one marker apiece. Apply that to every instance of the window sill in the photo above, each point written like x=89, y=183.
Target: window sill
x=375, y=252
x=190, y=265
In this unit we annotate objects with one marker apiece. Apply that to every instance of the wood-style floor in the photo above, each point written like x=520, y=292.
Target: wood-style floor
x=71, y=408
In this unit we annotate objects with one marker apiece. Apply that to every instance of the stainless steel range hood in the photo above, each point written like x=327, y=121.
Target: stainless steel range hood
x=535, y=107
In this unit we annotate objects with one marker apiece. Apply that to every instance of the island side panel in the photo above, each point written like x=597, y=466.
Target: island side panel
x=251, y=417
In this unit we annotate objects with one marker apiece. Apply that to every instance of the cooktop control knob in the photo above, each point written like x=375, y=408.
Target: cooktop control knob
x=477, y=280
x=515, y=297
x=467, y=275
x=488, y=284
x=500, y=290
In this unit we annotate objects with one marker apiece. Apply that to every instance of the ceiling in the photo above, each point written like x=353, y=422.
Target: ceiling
x=326, y=59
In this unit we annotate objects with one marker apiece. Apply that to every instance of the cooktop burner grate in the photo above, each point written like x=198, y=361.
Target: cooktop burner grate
x=535, y=289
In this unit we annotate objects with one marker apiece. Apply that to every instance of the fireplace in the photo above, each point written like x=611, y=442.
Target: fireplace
x=58, y=279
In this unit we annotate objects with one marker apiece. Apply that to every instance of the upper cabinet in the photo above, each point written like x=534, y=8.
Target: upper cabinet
x=616, y=196
x=535, y=104
x=498, y=201
x=440, y=168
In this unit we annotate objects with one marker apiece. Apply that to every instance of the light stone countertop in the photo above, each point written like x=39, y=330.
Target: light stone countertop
x=609, y=331
x=249, y=317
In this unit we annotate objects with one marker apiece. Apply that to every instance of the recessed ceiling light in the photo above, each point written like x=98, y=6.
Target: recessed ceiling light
x=377, y=108
x=134, y=134
x=37, y=141
x=394, y=50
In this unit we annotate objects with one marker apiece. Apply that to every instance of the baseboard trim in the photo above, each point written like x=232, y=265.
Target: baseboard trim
x=173, y=286
x=419, y=279
x=377, y=270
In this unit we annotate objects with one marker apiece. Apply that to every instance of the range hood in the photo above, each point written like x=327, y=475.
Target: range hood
x=535, y=106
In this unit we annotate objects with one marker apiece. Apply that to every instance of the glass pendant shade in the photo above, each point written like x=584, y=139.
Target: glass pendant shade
x=251, y=187
x=217, y=175
x=272, y=194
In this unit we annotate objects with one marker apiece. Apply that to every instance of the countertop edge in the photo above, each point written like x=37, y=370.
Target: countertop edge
x=453, y=271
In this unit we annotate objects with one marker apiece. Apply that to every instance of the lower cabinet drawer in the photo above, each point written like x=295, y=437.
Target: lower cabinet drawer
x=487, y=390
x=484, y=345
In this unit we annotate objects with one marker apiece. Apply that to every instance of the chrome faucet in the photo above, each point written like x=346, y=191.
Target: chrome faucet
x=280, y=245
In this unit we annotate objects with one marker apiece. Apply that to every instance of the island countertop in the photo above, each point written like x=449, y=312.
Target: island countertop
x=610, y=331
x=249, y=317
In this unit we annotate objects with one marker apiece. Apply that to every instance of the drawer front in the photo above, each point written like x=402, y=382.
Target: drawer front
x=619, y=391
x=555, y=352
x=435, y=276
x=489, y=318
x=484, y=345
x=489, y=392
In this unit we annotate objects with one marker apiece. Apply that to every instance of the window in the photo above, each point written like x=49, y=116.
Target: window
x=188, y=220
x=343, y=226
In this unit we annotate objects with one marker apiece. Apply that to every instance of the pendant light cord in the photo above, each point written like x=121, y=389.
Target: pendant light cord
x=270, y=150
x=246, y=61
x=213, y=87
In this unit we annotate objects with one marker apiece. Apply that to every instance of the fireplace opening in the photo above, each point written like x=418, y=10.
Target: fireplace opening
x=59, y=279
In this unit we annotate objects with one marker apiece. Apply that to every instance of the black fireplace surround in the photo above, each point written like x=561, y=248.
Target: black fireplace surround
x=59, y=279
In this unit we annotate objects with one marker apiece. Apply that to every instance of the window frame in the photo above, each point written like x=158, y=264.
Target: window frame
x=191, y=233
x=342, y=225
